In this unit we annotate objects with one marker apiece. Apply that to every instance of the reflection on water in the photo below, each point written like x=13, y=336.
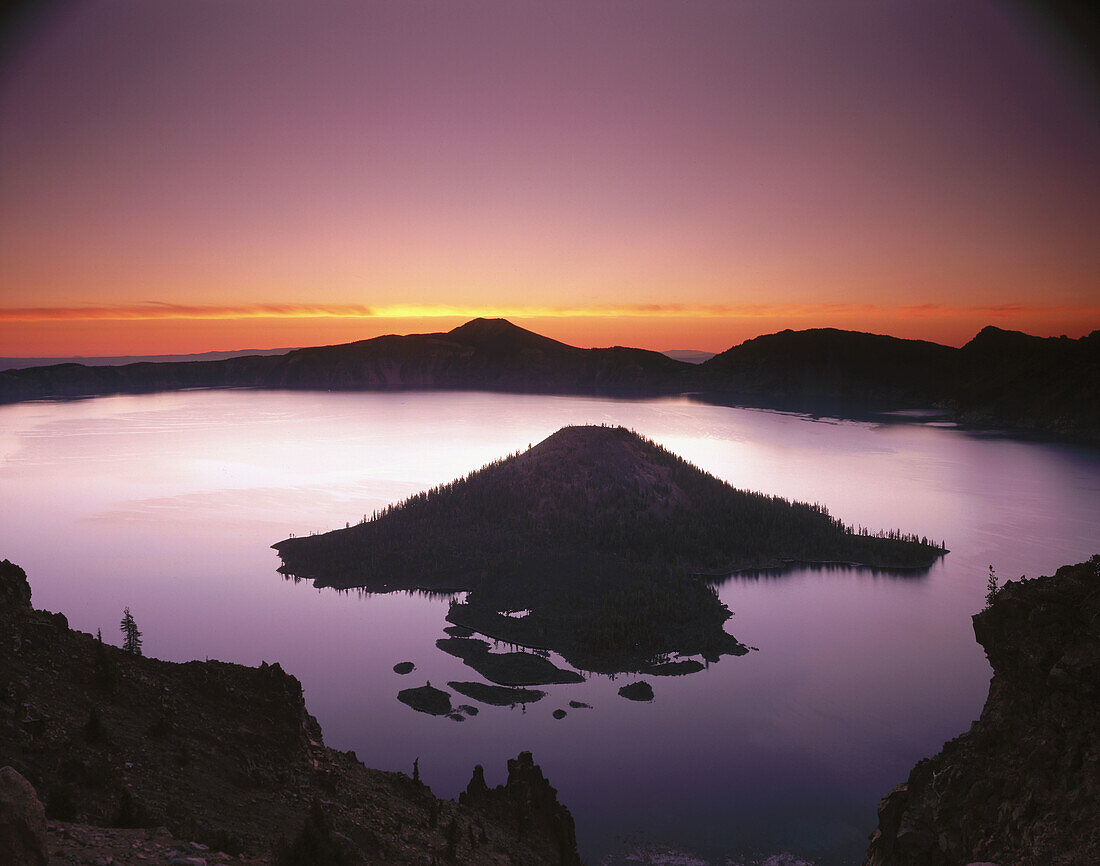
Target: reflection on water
x=509, y=664
x=779, y=572
x=168, y=504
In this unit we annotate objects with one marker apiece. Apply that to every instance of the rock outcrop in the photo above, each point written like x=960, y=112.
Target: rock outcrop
x=1022, y=786
x=527, y=803
x=222, y=755
x=22, y=822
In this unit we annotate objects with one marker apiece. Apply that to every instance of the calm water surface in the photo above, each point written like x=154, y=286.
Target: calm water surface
x=168, y=504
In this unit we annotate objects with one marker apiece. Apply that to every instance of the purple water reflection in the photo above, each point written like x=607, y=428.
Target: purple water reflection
x=168, y=504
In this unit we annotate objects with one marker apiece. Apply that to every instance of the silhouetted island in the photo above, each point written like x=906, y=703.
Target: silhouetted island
x=497, y=696
x=426, y=699
x=1000, y=378
x=596, y=543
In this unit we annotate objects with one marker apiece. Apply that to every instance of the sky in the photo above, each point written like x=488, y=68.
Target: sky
x=193, y=175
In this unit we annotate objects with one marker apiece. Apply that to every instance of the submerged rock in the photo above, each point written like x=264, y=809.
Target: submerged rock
x=507, y=669
x=497, y=696
x=639, y=691
x=427, y=699
x=463, y=647
x=522, y=669
x=404, y=668
x=675, y=669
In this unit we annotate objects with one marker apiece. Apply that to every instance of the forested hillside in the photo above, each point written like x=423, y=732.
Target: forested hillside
x=597, y=531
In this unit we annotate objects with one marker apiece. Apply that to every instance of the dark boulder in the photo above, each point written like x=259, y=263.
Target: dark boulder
x=22, y=822
x=639, y=691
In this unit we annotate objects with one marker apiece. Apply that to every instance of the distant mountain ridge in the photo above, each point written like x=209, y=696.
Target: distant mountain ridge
x=1007, y=379
x=13, y=363
x=1031, y=383
x=829, y=363
x=691, y=356
x=483, y=354
x=1000, y=378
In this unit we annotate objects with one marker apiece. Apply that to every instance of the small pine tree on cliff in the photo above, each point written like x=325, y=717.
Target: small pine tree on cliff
x=131, y=637
x=991, y=587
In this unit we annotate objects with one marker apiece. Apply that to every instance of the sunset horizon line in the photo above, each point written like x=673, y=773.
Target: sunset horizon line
x=157, y=310
x=154, y=328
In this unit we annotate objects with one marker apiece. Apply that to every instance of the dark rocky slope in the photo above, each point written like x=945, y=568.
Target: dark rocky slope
x=823, y=366
x=228, y=756
x=1000, y=378
x=1022, y=786
x=1042, y=385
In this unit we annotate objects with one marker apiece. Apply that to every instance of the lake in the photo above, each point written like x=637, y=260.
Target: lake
x=168, y=504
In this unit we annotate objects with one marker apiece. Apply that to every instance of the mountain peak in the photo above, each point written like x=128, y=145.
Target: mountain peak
x=500, y=334
x=992, y=337
x=482, y=325
x=589, y=436
x=604, y=492
x=581, y=453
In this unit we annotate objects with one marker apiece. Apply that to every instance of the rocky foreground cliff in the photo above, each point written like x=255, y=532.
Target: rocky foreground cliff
x=228, y=757
x=1022, y=786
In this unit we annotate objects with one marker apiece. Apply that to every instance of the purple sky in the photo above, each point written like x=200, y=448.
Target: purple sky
x=743, y=165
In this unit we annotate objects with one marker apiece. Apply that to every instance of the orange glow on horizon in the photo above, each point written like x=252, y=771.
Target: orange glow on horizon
x=147, y=329
x=151, y=310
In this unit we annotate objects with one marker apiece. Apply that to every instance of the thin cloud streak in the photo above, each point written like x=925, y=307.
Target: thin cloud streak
x=161, y=310
x=155, y=310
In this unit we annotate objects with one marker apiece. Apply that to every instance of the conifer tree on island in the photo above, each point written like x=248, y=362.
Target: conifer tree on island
x=131, y=637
